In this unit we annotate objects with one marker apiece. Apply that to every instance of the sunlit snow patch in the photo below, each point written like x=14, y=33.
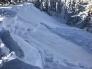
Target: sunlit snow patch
x=9, y=57
x=1, y=18
x=9, y=7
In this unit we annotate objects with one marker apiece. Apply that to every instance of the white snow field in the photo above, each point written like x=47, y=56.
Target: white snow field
x=41, y=36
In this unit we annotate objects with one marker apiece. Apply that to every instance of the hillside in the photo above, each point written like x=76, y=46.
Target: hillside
x=58, y=45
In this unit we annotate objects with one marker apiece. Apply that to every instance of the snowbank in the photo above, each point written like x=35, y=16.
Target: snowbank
x=31, y=54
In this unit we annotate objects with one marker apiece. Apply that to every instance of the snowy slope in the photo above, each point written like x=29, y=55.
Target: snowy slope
x=31, y=54
x=47, y=35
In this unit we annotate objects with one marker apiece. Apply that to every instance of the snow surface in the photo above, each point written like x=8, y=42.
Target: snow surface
x=36, y=30
x=32, y=55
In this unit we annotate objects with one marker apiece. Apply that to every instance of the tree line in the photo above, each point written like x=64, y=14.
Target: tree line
x=49, y=6
x=71, y=10
x=2, y=2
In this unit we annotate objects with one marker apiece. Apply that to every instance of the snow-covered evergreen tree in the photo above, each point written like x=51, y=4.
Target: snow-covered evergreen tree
x=80, y=14
x=52, y=7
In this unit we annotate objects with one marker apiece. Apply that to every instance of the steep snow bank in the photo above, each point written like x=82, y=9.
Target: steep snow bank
x=10, y=43
x=31, y=54
x=24, y=51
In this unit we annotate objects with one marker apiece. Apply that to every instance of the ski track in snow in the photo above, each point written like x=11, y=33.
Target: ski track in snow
x=69, y=33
